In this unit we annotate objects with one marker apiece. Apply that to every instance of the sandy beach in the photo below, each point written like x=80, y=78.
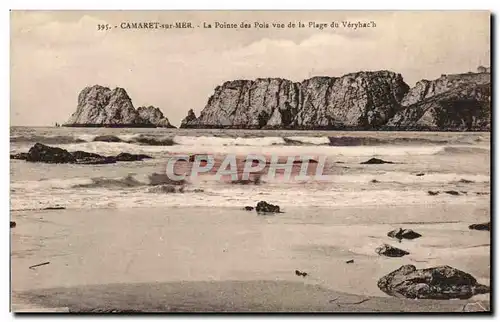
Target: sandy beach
x=219, y=259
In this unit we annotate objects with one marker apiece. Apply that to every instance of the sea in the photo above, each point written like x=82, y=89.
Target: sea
x=422, y=162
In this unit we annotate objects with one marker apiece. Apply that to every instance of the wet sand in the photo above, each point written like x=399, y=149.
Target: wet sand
x=222, y=259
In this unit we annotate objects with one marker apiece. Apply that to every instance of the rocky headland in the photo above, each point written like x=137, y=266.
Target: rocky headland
x=99, y=106
x=378, y=100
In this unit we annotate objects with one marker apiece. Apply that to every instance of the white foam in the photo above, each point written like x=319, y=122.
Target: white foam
x=86, y=137
x=218, y=141
x=321, y=140
x=50, y=184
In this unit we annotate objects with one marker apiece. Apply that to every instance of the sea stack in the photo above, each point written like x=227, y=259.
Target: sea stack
x=99, y=106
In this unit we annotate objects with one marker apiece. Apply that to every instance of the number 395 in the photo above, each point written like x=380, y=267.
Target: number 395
x=103, y=27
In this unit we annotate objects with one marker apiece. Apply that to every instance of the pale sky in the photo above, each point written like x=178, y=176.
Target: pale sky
x=55, y=54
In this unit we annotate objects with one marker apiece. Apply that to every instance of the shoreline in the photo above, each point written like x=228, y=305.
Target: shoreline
x=122, y=249
x=226, y=296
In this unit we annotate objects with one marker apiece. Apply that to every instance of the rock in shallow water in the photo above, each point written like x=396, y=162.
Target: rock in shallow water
x=47, y=154
x=265, y=207
x=485, y=226
x=131, y=157
x=44, y=153
x=390, y=251
x=401, y=233
x=376, y=161
x=440, y=283
x=107, y=138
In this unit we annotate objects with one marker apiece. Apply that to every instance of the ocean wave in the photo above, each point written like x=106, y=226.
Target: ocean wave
x=47, y=139
x=211, y=140
x=227, y=141
x=454, y=150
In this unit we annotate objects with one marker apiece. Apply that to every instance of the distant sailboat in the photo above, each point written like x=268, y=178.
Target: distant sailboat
x=57, y=124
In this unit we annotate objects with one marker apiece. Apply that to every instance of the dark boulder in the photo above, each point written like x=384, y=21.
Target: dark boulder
x=420, y=174
x=107, y=138
x=248, y=208
x=401, y=233
x=485, y=226
x=263, y=206
x=12, y=224
x=440, y=283
x=44, y=153
x=452, y=192
x=131, y=157
x=390, y=251
x=376, y=161
x=433, y=193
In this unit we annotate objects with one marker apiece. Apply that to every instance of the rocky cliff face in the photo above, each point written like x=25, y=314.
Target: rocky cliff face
x=101, y=106
x=458, y=102
x=357, y=101
x=360, y=100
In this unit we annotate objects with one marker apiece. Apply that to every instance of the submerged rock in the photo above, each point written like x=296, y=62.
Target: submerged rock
x=433, y=193
x=131, y=157
x=83, y=157
x=440, y=283
x=401, y=233
x=156, y=179
x=107, y=138
x=263, y=206
x=485, y=226
x=376, y=161
x=452, y=192
x=420, y=174
x=249, y=208
x=19, y=156
x=165, y=188
x=12, y=224
x=390, y=251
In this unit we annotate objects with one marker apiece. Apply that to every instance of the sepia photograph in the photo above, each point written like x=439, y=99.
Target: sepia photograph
x=232, y=161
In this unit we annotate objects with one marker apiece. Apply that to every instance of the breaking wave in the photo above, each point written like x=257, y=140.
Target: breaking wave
x=455, y=150
x=168, y=140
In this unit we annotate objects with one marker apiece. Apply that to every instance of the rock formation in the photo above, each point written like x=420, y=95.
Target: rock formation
x=440, y=283
x=100, y=106
x=401, y=233
x=264, y=207
x=484, y=226
x=378, y=100
x=390, y=251
x=47, y=154
x=189, y=119
x=154, y=116
x=452, y=102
